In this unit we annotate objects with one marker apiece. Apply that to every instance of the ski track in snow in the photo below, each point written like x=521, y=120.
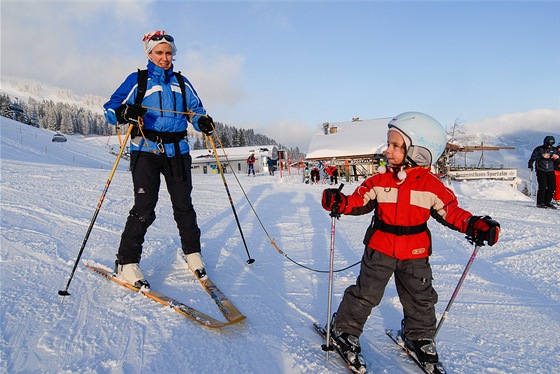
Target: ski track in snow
x=506, y=318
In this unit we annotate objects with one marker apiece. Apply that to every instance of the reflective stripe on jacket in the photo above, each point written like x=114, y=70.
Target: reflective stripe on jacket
x=407, y=203
x=163, y=93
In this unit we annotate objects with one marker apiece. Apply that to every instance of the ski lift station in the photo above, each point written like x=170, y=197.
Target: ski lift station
x=204, y=161
x=355, y=147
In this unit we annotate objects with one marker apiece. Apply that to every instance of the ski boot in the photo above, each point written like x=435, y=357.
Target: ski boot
x=131, y=274
x=348, y=346
x=424, y=349
x=194, y=260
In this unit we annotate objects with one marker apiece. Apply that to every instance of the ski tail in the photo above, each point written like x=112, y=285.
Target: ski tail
x=226, y=307
x=187, y=311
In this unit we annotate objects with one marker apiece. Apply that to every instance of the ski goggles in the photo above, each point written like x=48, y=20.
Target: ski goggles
x=157, y=36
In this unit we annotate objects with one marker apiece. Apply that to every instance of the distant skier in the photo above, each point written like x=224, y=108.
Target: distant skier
x=544, y=157
x=251, y=164
x=556, y=196
x=315, y=175
x=160, y=148
x=306, y=175
x=398, y=241
x=332, y=171
x=271, y=166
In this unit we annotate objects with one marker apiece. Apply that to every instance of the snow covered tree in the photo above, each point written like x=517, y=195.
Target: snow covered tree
x=235, y=139
x=242, y=141
x=197, y=144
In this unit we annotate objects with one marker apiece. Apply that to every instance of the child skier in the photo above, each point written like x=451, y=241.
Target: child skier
x=404, y=195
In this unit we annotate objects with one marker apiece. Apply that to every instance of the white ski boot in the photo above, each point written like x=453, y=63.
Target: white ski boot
x=131, y=274
x=194, y=260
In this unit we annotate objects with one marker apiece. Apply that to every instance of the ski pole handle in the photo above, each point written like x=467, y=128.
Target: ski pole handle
x=333, y=212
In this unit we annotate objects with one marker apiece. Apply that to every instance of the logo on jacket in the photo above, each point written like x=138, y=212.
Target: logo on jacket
x=418, y=251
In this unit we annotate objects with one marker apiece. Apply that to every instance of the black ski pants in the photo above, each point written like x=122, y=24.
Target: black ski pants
x=547, y=185
x=413, y=279
x=147, y=169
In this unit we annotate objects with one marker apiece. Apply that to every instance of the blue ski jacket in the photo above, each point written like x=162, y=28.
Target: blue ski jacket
x=162, y=93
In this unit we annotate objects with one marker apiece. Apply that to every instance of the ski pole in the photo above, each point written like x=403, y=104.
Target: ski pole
x=477, y=246
x=536, y=186
x=334, y=216
x=250, y=260
x=531, y=181
x=97, y=209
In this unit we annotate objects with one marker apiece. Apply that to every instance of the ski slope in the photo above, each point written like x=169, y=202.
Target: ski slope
x=506, y=318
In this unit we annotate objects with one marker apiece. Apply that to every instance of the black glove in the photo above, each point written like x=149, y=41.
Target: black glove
x=129, y=113
x=333, y=200
x=483, y=229
x=206, y=125
x=530, y=166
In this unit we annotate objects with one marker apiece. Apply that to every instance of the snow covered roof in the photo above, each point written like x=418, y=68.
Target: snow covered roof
x=359, y=138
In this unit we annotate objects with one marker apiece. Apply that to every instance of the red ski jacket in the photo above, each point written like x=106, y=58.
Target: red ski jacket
x=330, y=170
x=402, y=208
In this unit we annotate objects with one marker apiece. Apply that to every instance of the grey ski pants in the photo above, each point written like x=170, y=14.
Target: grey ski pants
x=413, y=279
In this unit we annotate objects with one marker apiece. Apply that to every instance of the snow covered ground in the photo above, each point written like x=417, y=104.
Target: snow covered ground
x=506, y=318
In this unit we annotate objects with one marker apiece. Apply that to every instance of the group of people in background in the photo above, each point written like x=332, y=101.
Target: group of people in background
x=546, y=160
x=251, y=160
x=321, y=172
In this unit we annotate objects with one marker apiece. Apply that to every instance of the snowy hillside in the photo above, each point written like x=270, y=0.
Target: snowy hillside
x=506, y=318
x=25, y=89
x=524, y=142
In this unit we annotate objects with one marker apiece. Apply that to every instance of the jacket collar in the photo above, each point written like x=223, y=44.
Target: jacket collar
x=158, y=74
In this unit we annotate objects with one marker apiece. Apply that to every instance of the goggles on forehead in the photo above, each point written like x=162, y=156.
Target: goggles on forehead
x=157, y=36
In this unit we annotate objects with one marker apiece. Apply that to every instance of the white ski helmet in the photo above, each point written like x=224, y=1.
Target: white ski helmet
x=426, y=137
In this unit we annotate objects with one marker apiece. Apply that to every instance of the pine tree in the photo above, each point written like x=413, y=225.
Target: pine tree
x=66, y=124
x=242, y=141
x=235, y=138
x=197, y=144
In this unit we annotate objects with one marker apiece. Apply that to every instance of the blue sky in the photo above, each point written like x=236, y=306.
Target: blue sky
x=285, y=67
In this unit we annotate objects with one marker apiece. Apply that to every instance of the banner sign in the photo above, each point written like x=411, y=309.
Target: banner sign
x=484, y=174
